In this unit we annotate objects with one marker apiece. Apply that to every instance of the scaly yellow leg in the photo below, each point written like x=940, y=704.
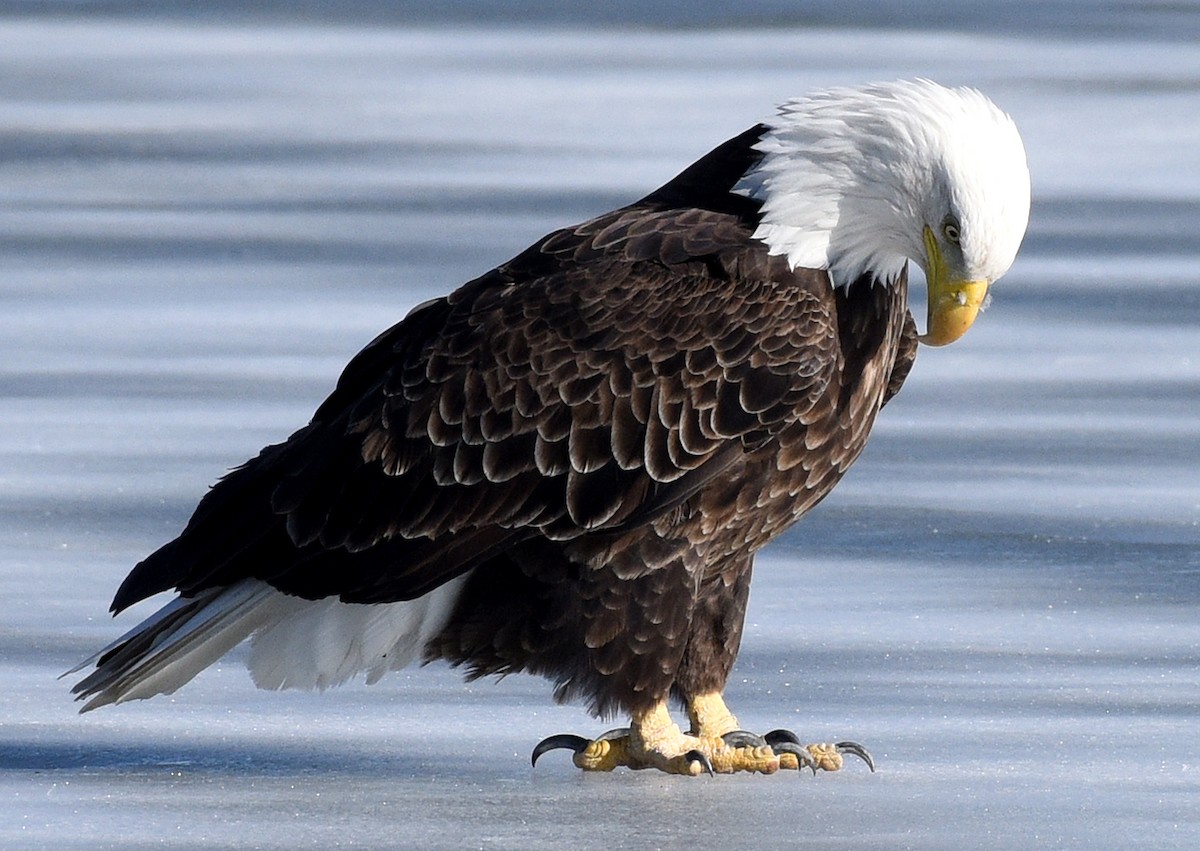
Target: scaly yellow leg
x=710, y=716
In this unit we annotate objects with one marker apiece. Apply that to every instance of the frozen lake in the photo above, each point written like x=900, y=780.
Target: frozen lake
x=201, y=221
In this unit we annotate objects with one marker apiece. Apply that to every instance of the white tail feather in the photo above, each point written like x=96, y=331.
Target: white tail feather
x=297, y=643
x=315, y=644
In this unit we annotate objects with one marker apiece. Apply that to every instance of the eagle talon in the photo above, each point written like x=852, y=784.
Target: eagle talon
x=785, y=741
x=698, y=756
x=653, y=740
x=743, y=739
x=859, y=751
x=620, y=733
x=565, y=741
x=801, y=753
x=776, y=737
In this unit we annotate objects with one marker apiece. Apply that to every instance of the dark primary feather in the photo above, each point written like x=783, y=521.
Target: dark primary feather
x=607, y=426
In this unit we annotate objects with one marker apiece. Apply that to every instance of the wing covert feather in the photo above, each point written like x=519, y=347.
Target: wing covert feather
x=591, y=384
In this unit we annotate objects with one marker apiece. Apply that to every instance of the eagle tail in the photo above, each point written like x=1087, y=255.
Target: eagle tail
x=174, y=644
x=295, y=642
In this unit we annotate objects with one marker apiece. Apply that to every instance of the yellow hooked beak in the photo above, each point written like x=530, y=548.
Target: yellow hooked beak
x=953, y=305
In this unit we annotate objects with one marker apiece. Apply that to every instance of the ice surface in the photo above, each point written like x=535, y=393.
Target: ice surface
x=201, y=221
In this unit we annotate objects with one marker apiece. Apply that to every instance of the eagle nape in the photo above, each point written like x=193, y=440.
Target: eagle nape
x=654, y=741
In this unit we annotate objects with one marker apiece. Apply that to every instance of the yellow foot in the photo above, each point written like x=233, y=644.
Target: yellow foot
x=736, y=751
x=654, y=741
x=690, y=755
x=793, y=755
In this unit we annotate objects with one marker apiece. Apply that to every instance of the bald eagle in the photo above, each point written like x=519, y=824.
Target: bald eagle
x=567, y=465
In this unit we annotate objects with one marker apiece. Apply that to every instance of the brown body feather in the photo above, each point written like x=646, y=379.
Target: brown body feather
x=603, y=431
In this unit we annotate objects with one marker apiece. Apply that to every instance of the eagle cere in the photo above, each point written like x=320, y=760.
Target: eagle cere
x=566, y=466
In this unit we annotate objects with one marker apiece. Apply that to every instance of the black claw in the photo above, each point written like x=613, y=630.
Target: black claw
x=781, y=736
x=615, y=733
x=743, y=739
x=570, y=742
x=859, y=751
x=799, y=751
x=697, y=756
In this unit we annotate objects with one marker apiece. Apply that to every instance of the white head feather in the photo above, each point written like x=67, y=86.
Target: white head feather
x=850, y=178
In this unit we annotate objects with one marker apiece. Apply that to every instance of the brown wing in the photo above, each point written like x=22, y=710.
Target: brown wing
x=590, y=385
x=906, y=356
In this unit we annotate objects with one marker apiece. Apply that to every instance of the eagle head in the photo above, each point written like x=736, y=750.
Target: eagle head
x=862, y=180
